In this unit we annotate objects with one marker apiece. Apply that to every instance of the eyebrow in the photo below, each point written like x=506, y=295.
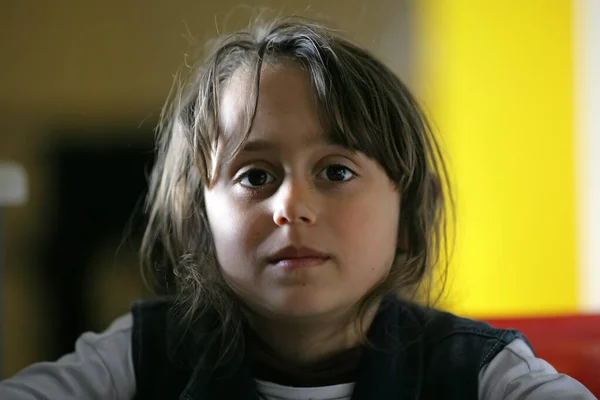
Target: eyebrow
x=254, y=145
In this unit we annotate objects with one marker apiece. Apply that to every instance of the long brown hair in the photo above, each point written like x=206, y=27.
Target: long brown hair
x=365, y=107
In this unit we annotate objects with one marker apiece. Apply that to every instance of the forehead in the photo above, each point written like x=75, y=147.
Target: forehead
x=286, y=104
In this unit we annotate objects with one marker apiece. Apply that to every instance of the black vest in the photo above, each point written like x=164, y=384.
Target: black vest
x=417, y=354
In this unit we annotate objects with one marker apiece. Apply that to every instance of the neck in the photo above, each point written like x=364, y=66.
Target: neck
x=307, y=341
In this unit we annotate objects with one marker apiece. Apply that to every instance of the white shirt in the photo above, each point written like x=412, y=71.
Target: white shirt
x=101, y=367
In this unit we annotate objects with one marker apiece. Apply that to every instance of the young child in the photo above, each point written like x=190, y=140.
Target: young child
x=296, y=212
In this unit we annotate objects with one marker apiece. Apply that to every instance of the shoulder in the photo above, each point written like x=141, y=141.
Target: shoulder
x=517, y=373
x=162, y=352
x=450, y=350
x=150, y=331
x=148, y=314
x=462, y=353
x=151, y=308
x=151, y=322
x=113, y=349
x=116, y=336
x=439, y=329
x=100, y=367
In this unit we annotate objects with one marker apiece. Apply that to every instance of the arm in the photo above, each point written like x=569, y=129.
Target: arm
x=516, y=374
x=101, y=367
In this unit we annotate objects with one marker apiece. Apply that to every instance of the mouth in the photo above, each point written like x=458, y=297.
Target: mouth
x=296, y=257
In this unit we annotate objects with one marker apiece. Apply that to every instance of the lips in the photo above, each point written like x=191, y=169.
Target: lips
x=297, y=256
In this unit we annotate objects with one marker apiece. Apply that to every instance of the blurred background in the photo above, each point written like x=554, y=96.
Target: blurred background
x=512, y=88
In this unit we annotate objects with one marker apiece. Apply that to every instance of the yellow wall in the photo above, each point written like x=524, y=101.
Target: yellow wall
x=497, y=79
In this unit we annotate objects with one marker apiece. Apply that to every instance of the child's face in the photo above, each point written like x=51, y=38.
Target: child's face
x=291, y=189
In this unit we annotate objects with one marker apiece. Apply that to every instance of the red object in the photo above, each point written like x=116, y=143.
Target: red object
x=570, y=343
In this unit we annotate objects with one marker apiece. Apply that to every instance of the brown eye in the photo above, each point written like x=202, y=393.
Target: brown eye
x=337, y=173
x=255, y=178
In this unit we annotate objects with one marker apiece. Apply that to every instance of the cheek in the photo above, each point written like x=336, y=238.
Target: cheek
x=235, y=231
x=223, y=222
x=371, y=229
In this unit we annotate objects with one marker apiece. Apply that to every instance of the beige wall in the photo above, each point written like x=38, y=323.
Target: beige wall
x=101, y=63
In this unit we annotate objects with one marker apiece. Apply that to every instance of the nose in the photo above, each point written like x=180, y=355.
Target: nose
x=294, y=203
